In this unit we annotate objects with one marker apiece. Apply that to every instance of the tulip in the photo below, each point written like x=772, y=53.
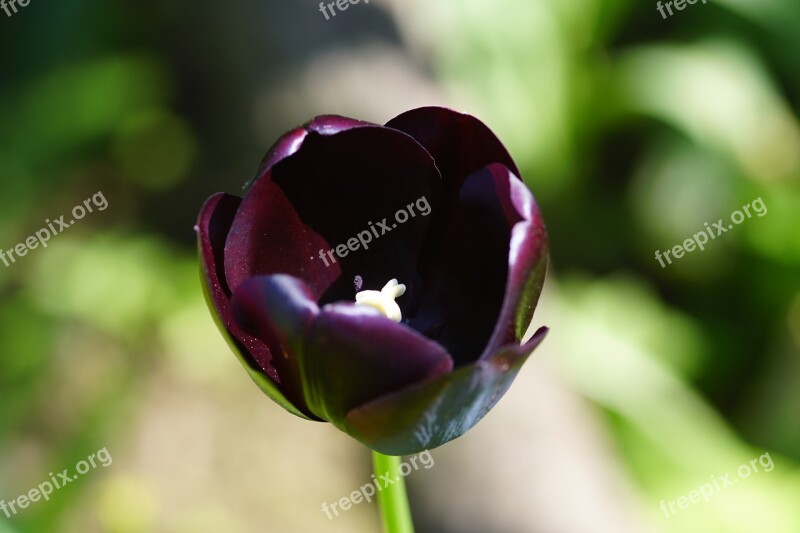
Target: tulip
x=402, y=331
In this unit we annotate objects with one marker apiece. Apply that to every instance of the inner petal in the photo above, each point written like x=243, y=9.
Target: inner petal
x=467, y=270
x=353, y=203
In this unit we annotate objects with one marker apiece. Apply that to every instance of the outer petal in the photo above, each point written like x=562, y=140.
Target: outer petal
x=212, y=227
x=460, y=144
x=527, y=264
x=291, y=142
x=347, y=355
x=334, y=188
x=469, y=253
x=493, y=247
x=431, y=414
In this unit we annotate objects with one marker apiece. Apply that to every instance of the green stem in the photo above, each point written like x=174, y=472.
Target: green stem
x=393, y=500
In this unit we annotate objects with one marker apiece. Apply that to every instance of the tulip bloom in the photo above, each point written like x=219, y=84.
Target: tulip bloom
x=406, y=342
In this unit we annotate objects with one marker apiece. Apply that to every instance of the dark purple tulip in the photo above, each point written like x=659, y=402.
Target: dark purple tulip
x=473, y=268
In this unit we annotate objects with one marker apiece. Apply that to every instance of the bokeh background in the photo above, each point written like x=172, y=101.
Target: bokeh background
x=631, y=130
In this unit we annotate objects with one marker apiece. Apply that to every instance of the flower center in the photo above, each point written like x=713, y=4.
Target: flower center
x=383, y=300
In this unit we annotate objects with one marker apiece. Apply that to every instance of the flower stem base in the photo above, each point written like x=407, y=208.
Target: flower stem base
x=392, y=499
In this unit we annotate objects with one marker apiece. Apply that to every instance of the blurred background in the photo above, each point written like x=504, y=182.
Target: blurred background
x=632, y=131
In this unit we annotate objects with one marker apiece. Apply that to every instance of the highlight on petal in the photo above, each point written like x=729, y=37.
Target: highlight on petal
x=528, y=255
x=278, y=306
x=430, y=414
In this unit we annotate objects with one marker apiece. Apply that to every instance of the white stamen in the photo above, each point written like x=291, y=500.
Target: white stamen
x=383, y=300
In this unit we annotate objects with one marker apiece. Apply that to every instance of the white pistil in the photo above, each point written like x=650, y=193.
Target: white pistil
x=383, y=300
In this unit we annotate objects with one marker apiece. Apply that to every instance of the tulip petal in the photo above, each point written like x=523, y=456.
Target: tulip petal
x=355, y=355
x=527, y=265
x=430, y=414
x=213, y=225
x=459, y=143
x=476, y=224
x=279, y=310
x=290, y=142
x=347, y=355
x=336, y=191
x=491, y=250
